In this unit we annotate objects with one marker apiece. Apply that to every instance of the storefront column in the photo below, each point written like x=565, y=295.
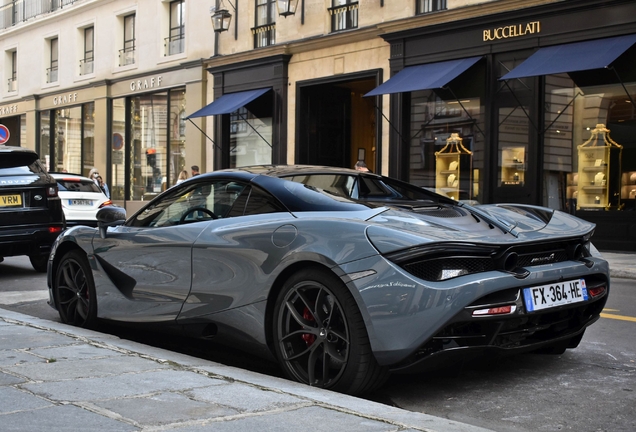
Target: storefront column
x=196, y=141
x=102, y=139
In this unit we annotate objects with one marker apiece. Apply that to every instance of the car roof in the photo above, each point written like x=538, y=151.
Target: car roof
x=14, y=149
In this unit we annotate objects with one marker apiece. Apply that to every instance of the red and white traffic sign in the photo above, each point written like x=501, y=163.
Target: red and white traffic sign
x=4, y=134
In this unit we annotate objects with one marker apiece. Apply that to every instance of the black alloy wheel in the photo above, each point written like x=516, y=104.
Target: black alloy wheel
x=320, y=336
x=74, y=291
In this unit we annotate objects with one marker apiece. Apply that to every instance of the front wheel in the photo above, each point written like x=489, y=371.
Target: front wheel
x=74, y=291
x=320, y=336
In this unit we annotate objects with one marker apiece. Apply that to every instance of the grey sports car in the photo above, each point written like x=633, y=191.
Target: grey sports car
x=341, y=276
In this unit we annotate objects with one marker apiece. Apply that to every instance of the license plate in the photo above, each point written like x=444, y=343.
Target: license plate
x=557, y=294
x=11, y=200
x=80, y=202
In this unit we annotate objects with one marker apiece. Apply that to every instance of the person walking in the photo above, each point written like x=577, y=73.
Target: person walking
x=93, y=173
x=195, y=170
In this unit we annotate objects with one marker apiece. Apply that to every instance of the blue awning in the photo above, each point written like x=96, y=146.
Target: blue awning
x=229, y=103
x=572, y=57
x=424, y=77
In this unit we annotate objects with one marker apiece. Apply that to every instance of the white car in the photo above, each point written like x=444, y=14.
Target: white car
x=81, y=199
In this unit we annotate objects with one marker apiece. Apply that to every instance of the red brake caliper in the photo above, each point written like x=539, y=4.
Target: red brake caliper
x=307, y=337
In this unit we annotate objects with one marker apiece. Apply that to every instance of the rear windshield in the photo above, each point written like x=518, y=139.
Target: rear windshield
x=77, y=185
x=17, y=163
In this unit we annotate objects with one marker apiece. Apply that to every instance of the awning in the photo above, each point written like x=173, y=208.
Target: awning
x=572, y=57
x=229, y=103
x=424, y=77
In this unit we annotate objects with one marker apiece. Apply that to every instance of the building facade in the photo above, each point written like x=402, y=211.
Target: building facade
x=464, y=96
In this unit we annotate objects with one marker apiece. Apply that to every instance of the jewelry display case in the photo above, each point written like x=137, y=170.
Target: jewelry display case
x=453, y=169
x=513, y=166
x=598, y=183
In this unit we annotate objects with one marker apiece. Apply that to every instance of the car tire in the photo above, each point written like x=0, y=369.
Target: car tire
x=320, y=337
x=39, y=262
x=74, y=291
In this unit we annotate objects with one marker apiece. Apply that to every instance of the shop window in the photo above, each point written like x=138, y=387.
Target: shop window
x=177, y=129
x=45, y=139
x=51, y=71
x=12, y=61
x=344, y=15
x=265, y=30
x=175, y=42
x=426, y=6
x=148, y=150
x=590, y=156
x=446, y=150
x=251, y=133
x=127, y=53
x=118, y=168
x=67, y=140
x=87, y=62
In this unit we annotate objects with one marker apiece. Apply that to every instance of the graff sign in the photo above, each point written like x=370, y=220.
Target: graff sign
x=64, y=99
x=146, y=83
x=11, y=109
x=511, y=31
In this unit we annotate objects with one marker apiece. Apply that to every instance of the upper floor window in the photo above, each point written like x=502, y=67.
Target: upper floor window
x=344, y=14
x=86, y=64
x=51, y=72
x=426, y=6
x=265, y=30
x=127, y=53
x=175, y=42
x=13, y=77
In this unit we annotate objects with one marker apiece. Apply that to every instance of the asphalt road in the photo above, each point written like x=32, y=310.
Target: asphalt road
x=591, y=388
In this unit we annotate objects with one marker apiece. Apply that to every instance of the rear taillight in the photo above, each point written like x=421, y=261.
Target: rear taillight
x=55, y=229
x=51, y=192
x=596, y=291
x=501, y=310
x=106, y=203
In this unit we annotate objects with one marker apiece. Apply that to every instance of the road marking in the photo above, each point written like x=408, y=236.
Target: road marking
x=618, y=317
x=610, y=310
x=13, y=297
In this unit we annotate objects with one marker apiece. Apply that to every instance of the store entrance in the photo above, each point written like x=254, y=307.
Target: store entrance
x=336, y=125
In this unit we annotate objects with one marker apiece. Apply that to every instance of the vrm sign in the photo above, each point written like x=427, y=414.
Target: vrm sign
x=4, y=134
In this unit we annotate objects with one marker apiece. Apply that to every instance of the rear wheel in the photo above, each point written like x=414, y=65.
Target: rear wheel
x=39, y=262
x=74, y=291
x=320, y=336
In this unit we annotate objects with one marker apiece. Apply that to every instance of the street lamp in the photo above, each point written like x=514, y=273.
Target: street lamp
x=220, y=19
x=286, y=7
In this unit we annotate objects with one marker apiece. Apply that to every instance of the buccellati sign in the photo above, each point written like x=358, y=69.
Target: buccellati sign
x=512, y=31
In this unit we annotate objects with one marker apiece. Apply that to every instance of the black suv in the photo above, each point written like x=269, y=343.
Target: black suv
x=31, y=215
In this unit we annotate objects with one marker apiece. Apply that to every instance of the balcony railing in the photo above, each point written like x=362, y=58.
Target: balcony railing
x=51, y=75
x=17, y=11
x=13, y=84
x=127, y=56
x=264, y=35
x=86, y=66
x=344, y=17
x=174, y=44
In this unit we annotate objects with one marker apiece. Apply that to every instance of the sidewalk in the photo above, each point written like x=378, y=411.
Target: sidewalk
x=622, y=265
x=56, y=377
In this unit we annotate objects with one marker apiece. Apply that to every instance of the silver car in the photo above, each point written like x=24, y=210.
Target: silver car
x=339, y=275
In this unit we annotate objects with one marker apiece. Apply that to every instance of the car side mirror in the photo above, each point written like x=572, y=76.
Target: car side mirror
x=110, y=216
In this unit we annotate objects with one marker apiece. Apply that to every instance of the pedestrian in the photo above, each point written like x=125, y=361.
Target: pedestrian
x=361, y=166
x=195, y=170
x=93, y=175
x=103, y=186
x=182, y=176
